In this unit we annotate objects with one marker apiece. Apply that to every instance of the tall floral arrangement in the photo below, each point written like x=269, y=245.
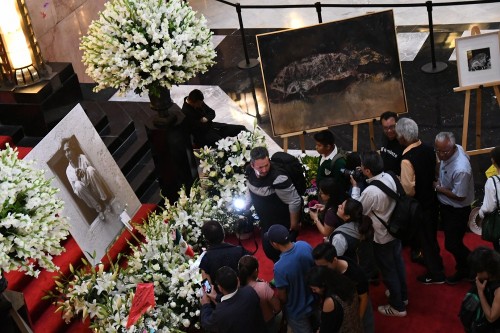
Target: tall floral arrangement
x=106, y=297
x=31, y=222
x=143, y=45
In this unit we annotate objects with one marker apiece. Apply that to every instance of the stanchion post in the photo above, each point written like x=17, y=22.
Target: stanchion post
x=247, y=63
x=318, y=10
x=433, y=67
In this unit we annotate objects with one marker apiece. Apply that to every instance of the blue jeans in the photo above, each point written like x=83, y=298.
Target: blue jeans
x=392, y=269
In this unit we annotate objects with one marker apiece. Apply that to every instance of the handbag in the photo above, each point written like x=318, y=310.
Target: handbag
x=491, y=222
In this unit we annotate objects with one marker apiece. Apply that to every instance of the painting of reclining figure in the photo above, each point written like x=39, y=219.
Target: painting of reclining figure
x=332, y=73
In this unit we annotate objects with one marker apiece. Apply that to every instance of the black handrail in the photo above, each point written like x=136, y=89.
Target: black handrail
x=433, y=67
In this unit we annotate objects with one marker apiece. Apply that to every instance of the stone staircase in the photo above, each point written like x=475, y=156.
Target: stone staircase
x=121, y=125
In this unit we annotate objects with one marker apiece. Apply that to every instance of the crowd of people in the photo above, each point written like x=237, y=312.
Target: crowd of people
x=326, y=289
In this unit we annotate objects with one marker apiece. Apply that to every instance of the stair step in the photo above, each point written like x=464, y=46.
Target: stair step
x=153, y=194
x=130, y=153
x=113, y=142
x=14, y=131
x=29, y=141
x=142, y=175
x=96, y=115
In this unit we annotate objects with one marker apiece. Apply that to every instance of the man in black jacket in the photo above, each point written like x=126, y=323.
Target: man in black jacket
x=391, y=150
x=239, y=309
x=199, y=121
x=418, y=172
x=274, y=197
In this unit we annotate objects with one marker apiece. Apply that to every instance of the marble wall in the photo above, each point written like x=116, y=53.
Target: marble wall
x=59, y=25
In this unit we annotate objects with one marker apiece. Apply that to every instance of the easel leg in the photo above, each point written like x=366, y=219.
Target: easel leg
x=302, y=143
x=478, y=117
x=355, y=137
x=372, y=136
x=497, y=94
x=466, y=119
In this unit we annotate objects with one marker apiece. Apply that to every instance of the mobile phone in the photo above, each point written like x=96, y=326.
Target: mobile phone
x=207, y=287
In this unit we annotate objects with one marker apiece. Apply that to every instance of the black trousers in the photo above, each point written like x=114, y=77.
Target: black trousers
x=428, y=240
x=454, y=226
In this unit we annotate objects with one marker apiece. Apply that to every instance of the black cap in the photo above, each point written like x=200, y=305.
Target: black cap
x=278, y=234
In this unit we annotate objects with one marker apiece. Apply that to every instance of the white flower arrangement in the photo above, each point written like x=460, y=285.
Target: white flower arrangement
x=142, y=45
x=106, y=297
x=31, y=222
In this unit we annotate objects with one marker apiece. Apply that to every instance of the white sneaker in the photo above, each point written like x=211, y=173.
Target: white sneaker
x=388, y=310
x=388, y=294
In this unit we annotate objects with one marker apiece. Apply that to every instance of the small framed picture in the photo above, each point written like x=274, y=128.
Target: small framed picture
x=478, y=59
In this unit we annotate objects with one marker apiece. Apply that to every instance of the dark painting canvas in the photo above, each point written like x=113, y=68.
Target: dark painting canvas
x=332, y=73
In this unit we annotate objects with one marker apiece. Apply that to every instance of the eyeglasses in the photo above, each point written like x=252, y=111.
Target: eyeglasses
x=389, y=128
x=444, y=152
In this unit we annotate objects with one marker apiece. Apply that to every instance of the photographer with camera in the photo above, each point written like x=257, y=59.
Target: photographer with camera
x=386, y=248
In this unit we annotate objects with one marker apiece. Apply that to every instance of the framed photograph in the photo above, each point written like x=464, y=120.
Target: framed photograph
x=332, y=73
x=94, y=190
x=478, y=59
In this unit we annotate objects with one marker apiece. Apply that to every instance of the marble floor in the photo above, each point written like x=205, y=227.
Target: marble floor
x=430, y=98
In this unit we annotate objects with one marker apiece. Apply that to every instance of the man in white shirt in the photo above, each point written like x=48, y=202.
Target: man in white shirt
x=386, y=248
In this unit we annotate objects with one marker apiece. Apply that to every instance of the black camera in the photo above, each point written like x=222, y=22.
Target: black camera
x=357, y=174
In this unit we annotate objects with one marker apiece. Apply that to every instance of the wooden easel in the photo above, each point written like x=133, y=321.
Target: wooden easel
x=370, y=131
x=354, y=135
x=301, y=138
x=478, y=87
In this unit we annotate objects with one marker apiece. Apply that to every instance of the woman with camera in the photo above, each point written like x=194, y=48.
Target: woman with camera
x=355, y=228
x=324, y=214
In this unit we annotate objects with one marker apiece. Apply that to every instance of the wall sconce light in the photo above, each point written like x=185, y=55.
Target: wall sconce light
x=21, y=61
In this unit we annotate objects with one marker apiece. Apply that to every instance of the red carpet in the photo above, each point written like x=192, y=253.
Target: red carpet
x=431, y=308
x=42, y=315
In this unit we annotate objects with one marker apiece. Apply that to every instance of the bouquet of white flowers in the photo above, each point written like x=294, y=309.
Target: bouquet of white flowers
x=106, y=297
x=31, y=222
x=142, y=45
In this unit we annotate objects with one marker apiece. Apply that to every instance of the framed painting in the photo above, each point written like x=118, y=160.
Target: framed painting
x=478, y=59
x=332, y=73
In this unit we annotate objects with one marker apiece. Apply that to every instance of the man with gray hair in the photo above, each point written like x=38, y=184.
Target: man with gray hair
x=274, y=197
x=418, y=168
x=455, y=191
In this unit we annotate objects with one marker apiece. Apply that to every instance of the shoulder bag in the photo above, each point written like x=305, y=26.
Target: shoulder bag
x=491, y=222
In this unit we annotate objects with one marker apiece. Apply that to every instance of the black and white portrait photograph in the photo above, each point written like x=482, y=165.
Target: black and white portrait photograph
x=94, y=190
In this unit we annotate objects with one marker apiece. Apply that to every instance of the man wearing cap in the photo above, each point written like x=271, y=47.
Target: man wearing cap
x=273, y=195
x=289, y=278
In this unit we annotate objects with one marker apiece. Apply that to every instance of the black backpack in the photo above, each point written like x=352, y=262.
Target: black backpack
x=471, y=313
x=291, y=166
x=407, y=214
